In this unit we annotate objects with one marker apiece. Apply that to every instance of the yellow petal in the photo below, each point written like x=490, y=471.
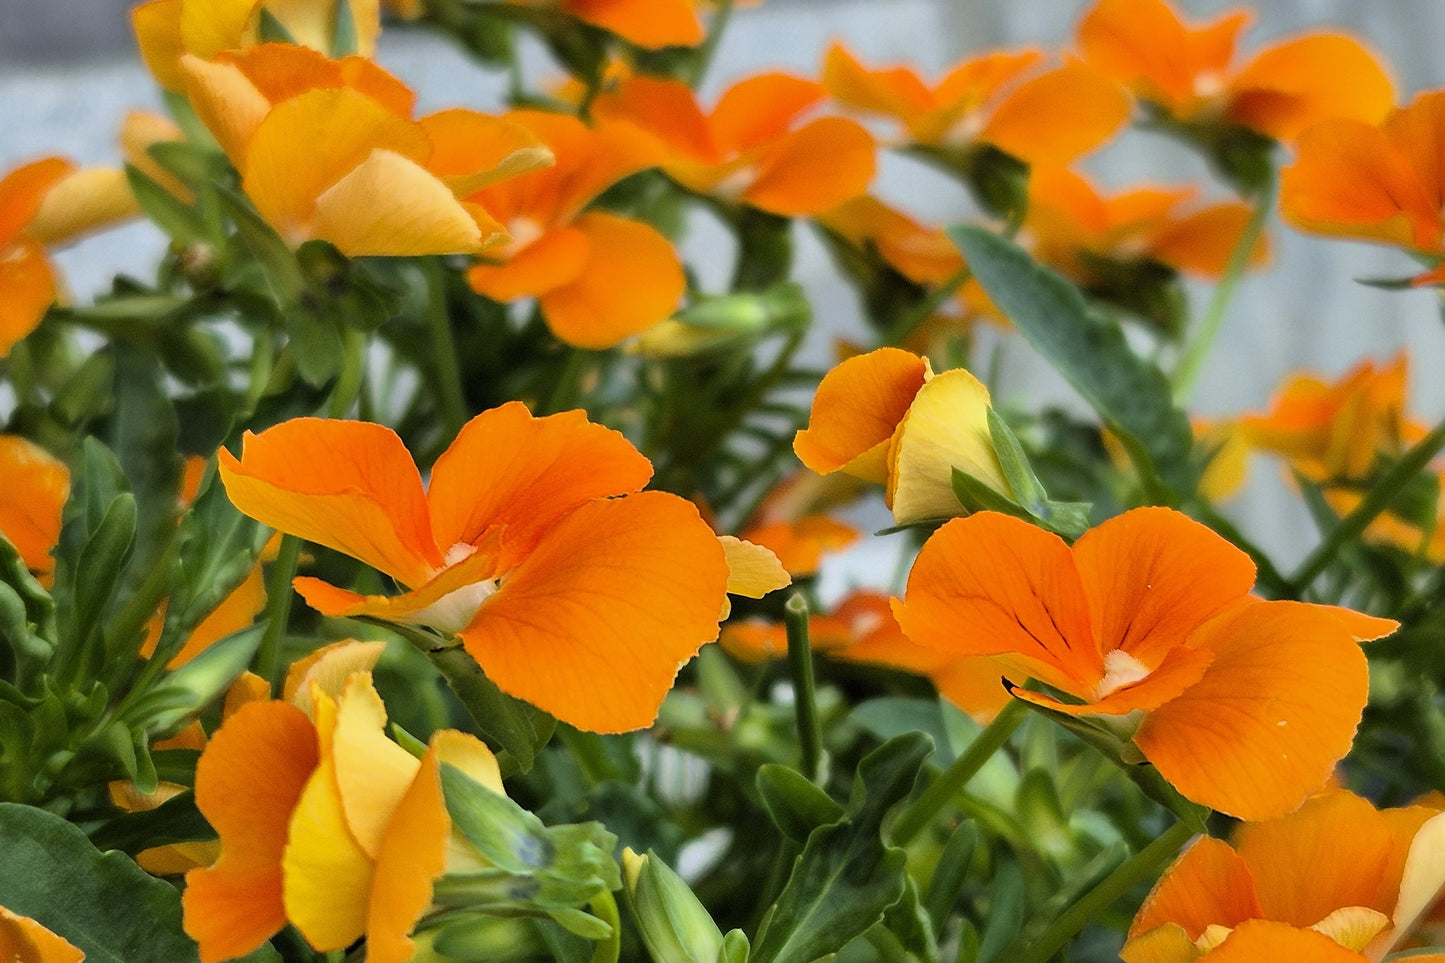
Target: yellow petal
x=753, y=571
x=372, y=772
x=329, y=667
x=227, y=102
x=326, y=874
x=1352, y=926
x=1424, y=877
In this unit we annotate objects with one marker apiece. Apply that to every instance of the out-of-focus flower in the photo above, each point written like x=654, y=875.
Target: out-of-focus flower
x=1189, y=72
x=169, y=29
x=327, y=149
x=793, y=522
x=25, y=941
x=1050, y=118
x=323, y=822
x=646, y=23
x=1373, y=180
x=886, y=417
x=1243, y=705
x=599, y=278
x=1224, y=443
x=1337, y=880
x=43, y=204
x=747, y=149
x=142, y=130
x=36, y=487
x=571, y=588
x=1335, y=431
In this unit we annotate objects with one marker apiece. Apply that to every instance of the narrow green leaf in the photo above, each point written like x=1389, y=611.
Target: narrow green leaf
x=1006, y=911
x=178, y=220
x=796, y=805
x=950, y=874
x=1028, y=491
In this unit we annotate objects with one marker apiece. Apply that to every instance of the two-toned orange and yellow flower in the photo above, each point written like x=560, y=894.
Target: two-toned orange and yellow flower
x=324, y=823
x=1336, y=880
x=598, y=278
x=1243, y=705
x=1189, y=70
x=886, y=417
x=533, y=542
x=45, y=204
x=749, y=149
x=328, y=149
x=23, y=940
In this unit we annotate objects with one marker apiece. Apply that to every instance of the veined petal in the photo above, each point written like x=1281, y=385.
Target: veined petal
x=646, y=23
x=1353, y=927
x=856, y=410
x=1303, y=81
x=1264, y=727
x=326, y=873
x=1209, y=884
x=23, y=940
x=1057, y=116
x=595, y=622
x=372, y=772
x=329, y=667
x=351, y=486
x=818, y=166
x=990, y=584
x=1153, y=576
x=946, y=427
x=631, y=280
x=36, y=488
x=509, y=469
x=391, y=206
x=248, y=782
x=28, y=283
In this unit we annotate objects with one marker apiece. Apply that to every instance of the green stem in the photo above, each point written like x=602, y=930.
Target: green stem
x=706, y=52
x=952, y=780
x=569, y=381
x=278, y=606
x=604, y=907
x=21, y=369
x=263, y=361
x=925, y=309
x=353, y=372
x=800, y=662
x=1371, y=506
x=1140, y=866
x=1191, y=360
x=444, y=350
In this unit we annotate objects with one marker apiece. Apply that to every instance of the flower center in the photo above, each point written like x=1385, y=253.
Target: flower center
x=452, y=612
x=1120, y=669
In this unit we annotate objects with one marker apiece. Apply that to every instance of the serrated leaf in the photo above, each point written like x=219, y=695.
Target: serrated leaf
x=846, y=877
x=1089, y=349
x=796, y=806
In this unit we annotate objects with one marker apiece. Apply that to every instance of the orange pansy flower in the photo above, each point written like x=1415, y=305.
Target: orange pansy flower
x=36, y=487
x=646, y=23
x=1335, y=868
x=43, y=204
x=571, y=588
x=1189, y=71
x=1243, y=705
x=327, y=149
x=324, y=822
x=886, y=417
x=599, y=278
x=1334, y=431
x=747, y=149
x=23, y=940
x=168, y=29
x=1373, y=180
x=793, y=523
x=1052, y=117
x=1073, y=227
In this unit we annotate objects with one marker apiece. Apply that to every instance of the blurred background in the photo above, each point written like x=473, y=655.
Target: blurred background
x=68, y=73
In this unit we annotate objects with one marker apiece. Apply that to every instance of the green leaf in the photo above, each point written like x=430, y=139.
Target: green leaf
x=1089, y=349
x=949, y=875
x=178, y=220
x=1028, y=491
x=185, y=692
x=735, y=947
x=514, y=726
x=1006, y=911
x=846, y=877
x=796, y=805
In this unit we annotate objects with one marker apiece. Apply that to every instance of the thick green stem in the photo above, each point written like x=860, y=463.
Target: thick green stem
x=951, y=781
x=444, y=349
x=278, y=606
x=926, y=308
x=800, y=662
x=1370, y=507
x=1197, y=348
x=1138, y=867
x=353, y=373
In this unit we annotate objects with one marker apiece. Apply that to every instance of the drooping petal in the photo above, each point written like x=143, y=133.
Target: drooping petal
x=991, y=584
x=632, y=279
x=1153, y=576
x=351, y=486
x=372, y=772
x=1057, y=116
x=855, y=411
x=1208, y=884
x=1264, y=727
x=595, y=622
x=507, y=468
x=248, y=782
x=818, y=166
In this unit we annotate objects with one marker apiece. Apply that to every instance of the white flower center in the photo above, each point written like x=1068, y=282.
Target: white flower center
x=1120, y=669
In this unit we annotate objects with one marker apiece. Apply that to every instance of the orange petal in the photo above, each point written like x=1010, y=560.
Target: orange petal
x=22, y=191
x=1055, y=117
x=632, y=279
x=351, y=486
x=281, y=71
x=372, y=772
x=1303, y=81
x=226, y=101
x=413, y=854
x=28, y=283
x=391, y=206
x=667, y=110
x=471, y=150
x=1208, y=884
x=157, y=26
x=858, y=405
x=1254, y=941
x=306, y=144
x=511, y=470
x=753, y=570
x=23, y=940
x=1416, y=132
x=896, y=91
x=248, y=782
x=818, y=166
x=594, y=624
x=799, y=545
x=1153, y=576
x=1125, y=688
x=1266, y=724
x=36, y=488
x=1203, y=242
x=1329, y=853
x=990, y=584
x=447, y=602
x=760, y=109
x=556, y=258
x=646, y=23
x=236, y=611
